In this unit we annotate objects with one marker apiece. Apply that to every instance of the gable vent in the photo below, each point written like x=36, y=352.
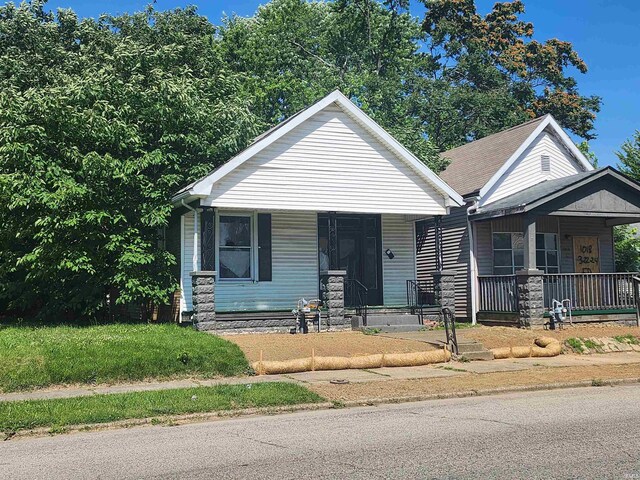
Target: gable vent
x=545, y=163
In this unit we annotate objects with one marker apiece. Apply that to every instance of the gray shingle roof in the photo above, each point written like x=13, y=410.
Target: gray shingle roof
x=473, y=164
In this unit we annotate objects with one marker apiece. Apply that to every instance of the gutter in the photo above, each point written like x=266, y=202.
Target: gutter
x=473, y=269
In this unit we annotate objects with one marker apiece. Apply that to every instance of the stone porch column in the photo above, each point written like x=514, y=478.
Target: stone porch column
x=445, y=288
x=203, y=288
x=530, y=297
x=335, y=297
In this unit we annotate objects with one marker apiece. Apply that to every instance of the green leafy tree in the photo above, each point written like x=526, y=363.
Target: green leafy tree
x=492, y=74
x=294, y=52
x=627, y=248
x=629, y=156
x=100, y=123
x=627, y=241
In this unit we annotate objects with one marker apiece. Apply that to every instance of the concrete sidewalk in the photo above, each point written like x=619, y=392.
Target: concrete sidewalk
x=450, y=369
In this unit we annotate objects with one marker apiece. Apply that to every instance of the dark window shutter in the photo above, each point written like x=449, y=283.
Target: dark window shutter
x=207, y=244
x=264, y=247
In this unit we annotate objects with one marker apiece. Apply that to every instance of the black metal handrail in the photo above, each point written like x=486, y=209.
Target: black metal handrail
x=636, y=297
x=449, y=320
x=419, y=294
x=356, y=296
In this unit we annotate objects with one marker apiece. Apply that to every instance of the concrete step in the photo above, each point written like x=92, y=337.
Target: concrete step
x=386, y=320
x=480, y=355
x=468, y=347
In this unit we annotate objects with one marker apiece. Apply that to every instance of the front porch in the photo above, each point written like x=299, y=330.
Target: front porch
x=250, y=269
x=554, y=243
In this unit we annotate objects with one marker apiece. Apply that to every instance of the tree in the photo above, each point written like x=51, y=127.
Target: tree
x=100, y=123
x=627, y=248
x=627, y=241
x=294, y=52
x=629, y=156
x=492, y=74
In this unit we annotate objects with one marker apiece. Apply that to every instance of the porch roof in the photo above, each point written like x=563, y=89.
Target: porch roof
x=604, y=192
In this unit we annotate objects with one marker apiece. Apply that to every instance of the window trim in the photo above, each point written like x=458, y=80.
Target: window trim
x=253, y=247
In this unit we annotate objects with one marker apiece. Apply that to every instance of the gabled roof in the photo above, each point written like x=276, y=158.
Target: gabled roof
x=541, y=193
x=202, y=187
x=478, y=165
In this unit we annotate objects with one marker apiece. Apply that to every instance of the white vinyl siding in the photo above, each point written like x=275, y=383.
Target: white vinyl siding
x=527, y=170
x=328, y=163
x=398, y=235
x=295, y=268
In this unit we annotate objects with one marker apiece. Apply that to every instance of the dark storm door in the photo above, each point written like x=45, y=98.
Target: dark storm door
x=359, y=252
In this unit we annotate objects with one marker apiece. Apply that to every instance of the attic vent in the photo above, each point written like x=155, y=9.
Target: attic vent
x=545, y=163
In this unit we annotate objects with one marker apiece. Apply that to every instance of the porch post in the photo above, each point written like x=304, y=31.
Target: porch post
x=529, y=242
x=333, y=241
x=530, y=297
x=335, y=297
x=203, y=286
x=207, y=239
x=438, y=241
x=444, y=286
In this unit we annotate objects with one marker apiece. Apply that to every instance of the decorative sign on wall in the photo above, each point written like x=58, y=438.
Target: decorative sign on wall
x=586, y=254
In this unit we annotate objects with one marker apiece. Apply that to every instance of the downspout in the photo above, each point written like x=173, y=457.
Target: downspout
x=473, y=269
x=195, y=234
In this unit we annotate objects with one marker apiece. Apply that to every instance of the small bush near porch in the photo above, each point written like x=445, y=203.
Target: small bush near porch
x=39, y=357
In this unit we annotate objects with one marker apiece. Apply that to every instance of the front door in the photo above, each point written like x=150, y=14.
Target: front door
x=358, y=251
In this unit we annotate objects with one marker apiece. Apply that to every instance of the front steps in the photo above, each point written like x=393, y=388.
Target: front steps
x=472, y=350
x=388, y=323
x=399, y=319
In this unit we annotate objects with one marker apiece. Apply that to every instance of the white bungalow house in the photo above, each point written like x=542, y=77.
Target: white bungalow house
x=326, y=193
x=537, y=226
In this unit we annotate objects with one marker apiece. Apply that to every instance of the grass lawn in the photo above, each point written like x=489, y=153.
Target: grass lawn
x=39, y=357
x=58, y=413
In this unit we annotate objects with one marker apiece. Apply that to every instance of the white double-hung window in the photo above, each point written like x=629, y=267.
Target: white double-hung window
x=235, y=247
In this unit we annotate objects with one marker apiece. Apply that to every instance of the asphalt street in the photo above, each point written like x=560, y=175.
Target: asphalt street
x=577, y=433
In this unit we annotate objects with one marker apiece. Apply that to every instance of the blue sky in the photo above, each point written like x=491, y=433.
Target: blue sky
x=604, y=32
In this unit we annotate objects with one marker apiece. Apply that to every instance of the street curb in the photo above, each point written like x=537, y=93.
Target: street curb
x=227, y=414
x=491, y=391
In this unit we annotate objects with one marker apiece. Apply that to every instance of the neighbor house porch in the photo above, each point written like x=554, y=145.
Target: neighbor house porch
x=554, y=243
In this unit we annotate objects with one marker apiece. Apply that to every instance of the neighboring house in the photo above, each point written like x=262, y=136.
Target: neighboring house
x=326, y=198
x=536, y=226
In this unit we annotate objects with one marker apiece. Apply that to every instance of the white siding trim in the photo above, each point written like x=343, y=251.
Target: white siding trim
x=527, y=170
x=547, y=122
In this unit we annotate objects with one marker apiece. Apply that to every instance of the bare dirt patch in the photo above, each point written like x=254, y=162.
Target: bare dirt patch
x=496, y=337
x=283, y=346
x=465, y=383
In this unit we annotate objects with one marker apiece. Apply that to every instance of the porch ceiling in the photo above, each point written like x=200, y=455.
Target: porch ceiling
x=604, y=193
